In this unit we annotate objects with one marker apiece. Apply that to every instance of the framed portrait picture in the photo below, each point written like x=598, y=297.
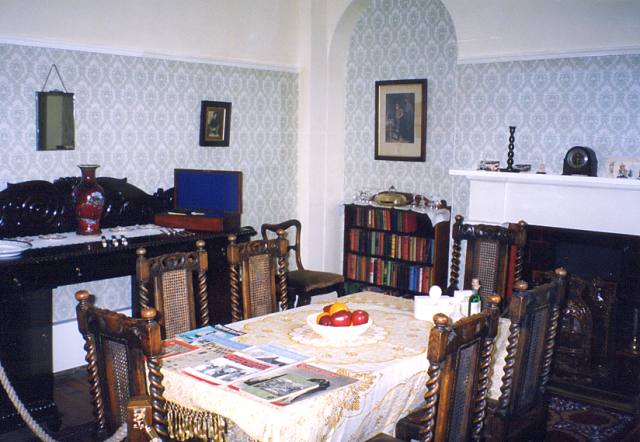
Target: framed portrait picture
x=215, y=119
x=401, y=120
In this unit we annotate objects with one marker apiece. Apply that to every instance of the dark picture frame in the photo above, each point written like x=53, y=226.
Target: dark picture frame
x=401, y=120
x=215, y=122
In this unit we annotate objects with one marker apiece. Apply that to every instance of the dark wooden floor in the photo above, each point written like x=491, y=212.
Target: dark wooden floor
x=71, y=393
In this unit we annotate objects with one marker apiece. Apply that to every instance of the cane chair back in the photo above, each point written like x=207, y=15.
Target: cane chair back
x=487, y=256
x=521, y=407
x=117, y=347
x=171, y=279
x=302, y=283
x=459, y=357
x=258, y=276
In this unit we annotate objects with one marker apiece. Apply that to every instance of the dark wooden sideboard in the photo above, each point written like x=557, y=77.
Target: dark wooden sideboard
x=26, y=283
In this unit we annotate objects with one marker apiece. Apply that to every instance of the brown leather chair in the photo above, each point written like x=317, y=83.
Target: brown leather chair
x=459, y=357
x=117, y=347
x=256, y=267
x=487, y=256
x=171, y=276
x=302, y=283
x=520, y=413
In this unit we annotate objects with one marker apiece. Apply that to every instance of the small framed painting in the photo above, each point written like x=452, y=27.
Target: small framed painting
x=215, y=119
x=401, y=120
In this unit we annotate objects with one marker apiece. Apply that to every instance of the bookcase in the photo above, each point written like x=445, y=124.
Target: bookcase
x=398, y=251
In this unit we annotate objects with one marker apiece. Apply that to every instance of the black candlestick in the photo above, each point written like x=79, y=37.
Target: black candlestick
x=512, y=138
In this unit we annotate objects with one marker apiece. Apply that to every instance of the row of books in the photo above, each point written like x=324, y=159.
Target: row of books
x=408, y=248
x=383, y=219
x=394, y=274
x=265, y=372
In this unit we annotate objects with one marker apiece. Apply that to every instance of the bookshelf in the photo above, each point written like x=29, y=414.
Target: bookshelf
x=398, y=251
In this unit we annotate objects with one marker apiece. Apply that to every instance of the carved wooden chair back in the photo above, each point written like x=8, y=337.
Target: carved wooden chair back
x=117, y=347
x=459, y=357
x=255, y=268
x=487, y=255
x=171, y=277
x=534, y=317
x=303, y=283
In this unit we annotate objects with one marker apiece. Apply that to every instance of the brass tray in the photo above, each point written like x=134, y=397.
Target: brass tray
x=392, y=199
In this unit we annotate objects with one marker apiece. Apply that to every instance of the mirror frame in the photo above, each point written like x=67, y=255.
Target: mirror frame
x=56, y=118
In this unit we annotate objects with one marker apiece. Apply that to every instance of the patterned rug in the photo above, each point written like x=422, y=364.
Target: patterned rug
x=575, y=421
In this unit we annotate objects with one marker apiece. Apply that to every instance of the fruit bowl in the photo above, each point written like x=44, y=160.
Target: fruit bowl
x=337, y=333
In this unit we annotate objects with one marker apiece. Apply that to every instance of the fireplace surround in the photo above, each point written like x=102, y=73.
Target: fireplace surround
x=590, y=226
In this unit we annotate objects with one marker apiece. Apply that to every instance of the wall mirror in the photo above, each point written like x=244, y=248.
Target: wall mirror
x=56, y=129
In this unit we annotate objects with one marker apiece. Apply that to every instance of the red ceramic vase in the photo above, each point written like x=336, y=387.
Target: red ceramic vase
x=88, y=197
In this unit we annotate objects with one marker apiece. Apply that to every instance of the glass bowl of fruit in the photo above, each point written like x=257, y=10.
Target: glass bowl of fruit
x=338, y=323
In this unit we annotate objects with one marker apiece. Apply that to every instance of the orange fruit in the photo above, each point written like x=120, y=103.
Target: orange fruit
x=338, y=306
x=320, y=316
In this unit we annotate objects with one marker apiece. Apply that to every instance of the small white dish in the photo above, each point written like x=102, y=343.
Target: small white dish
x=337, y=333
x=11, y=248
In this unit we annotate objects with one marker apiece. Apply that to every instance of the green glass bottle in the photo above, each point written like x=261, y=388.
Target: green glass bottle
x=475, y=301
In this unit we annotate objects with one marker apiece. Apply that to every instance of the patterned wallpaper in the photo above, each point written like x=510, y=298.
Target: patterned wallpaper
x=139, y=118
x=555, y=104
x=401, y=39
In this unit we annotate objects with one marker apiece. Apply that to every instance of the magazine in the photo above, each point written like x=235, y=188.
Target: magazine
x=210, y=350
x=228, y=330
x=174, y=347
x=285, y=385
x=274, y=355
x=205, y=334
x=226, y=369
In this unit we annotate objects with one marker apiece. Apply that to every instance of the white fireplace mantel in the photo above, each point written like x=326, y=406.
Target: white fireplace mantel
x=572, y=202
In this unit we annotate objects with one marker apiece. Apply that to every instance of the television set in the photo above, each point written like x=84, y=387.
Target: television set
x=208, y=192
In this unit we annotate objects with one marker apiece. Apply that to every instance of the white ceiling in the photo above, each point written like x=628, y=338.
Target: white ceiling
x=490, y=30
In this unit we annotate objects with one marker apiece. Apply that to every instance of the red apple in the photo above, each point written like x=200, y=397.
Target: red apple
x=341, y=319
x=325, y=320
x=359, y=317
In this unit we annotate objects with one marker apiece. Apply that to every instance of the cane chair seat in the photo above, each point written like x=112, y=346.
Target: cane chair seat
x=123, y=356
x=257, y=276
x=459, y=357
x=488, y=256
x=302, y=283
x=520, y=411
x=166, y=282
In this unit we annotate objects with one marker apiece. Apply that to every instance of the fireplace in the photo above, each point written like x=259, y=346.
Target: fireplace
x=590, y=226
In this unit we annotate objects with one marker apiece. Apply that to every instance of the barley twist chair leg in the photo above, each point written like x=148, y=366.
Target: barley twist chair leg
x=158, y=403
x=483, y=385
x=203, y=298
x=236, y=314
x=507, y=378
x=94, y=383
x=427, y=420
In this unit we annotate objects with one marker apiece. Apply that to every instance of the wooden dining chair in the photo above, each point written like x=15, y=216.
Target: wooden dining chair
x=302, y=284
x=257, y=276
x=167, y=283
x=520, y=411
x=123, y=357
x=488, y=256
x=459, y=357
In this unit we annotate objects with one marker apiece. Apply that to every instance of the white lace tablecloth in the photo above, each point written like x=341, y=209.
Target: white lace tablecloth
x=391, y=369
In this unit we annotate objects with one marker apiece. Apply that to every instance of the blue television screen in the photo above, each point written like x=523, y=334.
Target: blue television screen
x=208, y=190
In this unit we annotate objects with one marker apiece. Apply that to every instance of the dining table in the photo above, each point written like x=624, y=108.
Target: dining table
x=388, y=360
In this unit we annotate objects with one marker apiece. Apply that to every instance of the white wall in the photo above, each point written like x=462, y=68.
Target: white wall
x=261, y=32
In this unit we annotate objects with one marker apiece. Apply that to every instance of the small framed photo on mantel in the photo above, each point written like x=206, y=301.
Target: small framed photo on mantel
x=215, y=122
x=401, y=120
